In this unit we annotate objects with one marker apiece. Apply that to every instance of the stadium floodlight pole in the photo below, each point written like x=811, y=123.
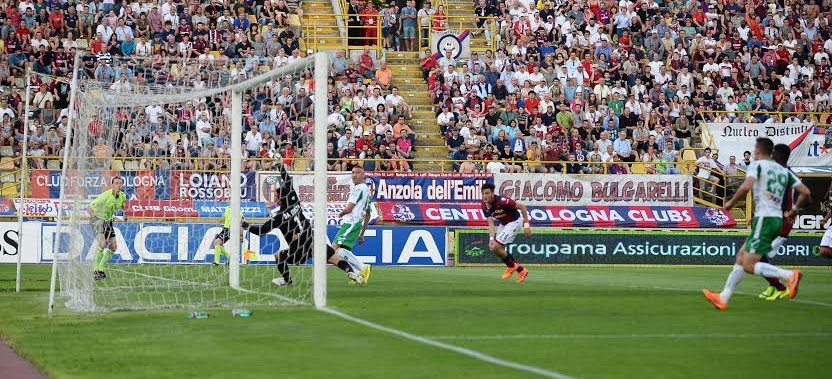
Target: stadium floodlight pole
x=24, y=166
x=320, y=216
x=234, y=180
x=71, y=114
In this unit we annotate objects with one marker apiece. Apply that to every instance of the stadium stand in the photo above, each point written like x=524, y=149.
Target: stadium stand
x=566, y=75
x=546, y=89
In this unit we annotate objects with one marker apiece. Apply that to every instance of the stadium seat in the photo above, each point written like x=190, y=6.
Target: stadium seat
x=301, y=165
x=689, y=155
x=117, y=165
x=174, y=136
x=7, y=163
x=638, y=169
x=53, y=164
x=9, y=190
x=8, y=177
x=131, y=165
x=6, y=151
x=82, y=43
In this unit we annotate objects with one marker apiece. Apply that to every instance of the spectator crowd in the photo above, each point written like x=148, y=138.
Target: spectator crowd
x=142, y=48
x=598, y=84
x=576, y=86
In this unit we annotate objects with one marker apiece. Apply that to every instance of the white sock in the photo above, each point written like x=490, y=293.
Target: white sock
x=734, y=279
x=351, y=259
x=771, y=271
x=775, y=246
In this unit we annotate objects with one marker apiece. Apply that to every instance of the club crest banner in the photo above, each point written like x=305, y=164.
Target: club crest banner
x=455, y=41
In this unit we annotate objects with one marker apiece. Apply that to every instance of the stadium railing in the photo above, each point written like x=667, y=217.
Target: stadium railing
x=316, y=39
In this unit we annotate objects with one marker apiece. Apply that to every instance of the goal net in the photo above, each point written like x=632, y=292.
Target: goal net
x=185, y=139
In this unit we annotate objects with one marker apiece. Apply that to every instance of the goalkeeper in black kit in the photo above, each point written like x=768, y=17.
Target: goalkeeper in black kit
x=289, y=219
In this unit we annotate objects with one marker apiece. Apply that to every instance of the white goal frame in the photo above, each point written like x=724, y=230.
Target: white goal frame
x=321, y=109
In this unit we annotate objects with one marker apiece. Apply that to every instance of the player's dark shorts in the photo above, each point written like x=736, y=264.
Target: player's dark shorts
x=224, y=235
x=300, y=248
x=788, y=223
x=104, y=227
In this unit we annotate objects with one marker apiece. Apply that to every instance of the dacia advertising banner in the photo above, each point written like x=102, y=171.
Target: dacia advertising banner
x=631, y=247
x=10, y=242
x=471, y=214
x=193, y=243
x=428, y=187
x=610, y=190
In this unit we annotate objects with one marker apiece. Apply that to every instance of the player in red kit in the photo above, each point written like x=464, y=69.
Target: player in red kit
x=507, y=213
x=776, y=290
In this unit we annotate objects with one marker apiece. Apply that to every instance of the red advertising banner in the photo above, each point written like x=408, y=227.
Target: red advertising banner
x=210, y=186
x=160, y=209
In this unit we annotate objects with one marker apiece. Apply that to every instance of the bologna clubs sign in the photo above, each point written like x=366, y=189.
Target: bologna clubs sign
x=470, y=214
x=608, y=190
x=428, y=187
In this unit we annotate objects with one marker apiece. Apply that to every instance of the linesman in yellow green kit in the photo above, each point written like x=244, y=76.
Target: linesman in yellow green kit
x=103, y=210
x=225, y=234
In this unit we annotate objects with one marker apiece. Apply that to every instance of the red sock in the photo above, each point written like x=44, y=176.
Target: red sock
x=775, y=282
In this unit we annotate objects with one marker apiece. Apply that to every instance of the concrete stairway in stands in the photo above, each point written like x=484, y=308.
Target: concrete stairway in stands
x=430, y=145
x=320, y=14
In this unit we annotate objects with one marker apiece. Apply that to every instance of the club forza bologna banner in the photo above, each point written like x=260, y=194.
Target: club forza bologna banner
x=10, y=242
x=456, y=41
x=809, y=144
x=470, y=214
x=631, y=247
x=193, y=243
x=147, y=184
x=428, y=187
x=609, y=190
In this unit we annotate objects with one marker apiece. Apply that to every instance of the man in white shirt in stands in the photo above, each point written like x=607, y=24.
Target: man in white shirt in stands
x=203, y=129
x=253, y=140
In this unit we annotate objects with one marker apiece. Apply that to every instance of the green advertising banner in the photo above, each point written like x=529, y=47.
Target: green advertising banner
x=630, y=247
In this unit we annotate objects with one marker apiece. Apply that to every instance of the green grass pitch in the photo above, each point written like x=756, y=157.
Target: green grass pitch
x=620, y=322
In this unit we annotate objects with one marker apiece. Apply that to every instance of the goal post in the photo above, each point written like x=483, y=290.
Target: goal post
x=200, y=109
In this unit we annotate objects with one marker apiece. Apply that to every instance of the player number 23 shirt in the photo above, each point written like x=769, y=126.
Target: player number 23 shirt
x=772, y=181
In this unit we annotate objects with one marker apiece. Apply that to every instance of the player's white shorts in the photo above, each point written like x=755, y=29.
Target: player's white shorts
x=506, y=233
x=826, y=241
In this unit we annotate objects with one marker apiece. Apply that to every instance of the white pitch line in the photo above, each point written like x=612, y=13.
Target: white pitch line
x=284, y=298
x=828, y=305
x=457, y=349
x=185, y=282
x=628, y=336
